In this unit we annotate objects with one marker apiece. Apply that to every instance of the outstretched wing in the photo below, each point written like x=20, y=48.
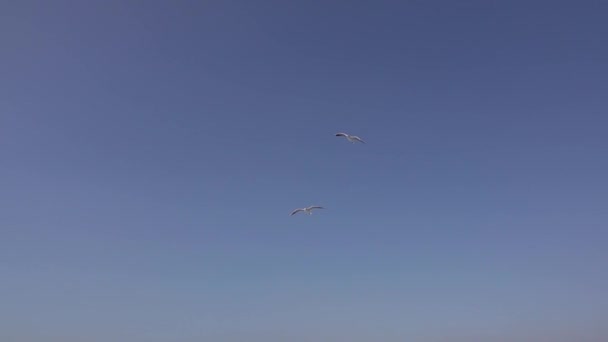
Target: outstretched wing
x=315, y=207
x=295, y=212
x=358, y=139
x=341, y=134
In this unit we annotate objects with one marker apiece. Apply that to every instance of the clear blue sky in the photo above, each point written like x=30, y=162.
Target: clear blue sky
x=151, y=152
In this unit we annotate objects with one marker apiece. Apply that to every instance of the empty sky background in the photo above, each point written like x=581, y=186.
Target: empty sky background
x=151, y=151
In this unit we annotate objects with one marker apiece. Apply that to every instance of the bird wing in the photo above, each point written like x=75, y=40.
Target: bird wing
x=358, y=139
x=341, y=134
x=295, y=212
x=315, y=207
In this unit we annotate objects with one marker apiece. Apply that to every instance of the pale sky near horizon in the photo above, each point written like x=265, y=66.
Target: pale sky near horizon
x=151, y=152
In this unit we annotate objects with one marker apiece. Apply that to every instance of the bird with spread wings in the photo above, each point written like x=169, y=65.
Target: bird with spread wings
x=307, y=210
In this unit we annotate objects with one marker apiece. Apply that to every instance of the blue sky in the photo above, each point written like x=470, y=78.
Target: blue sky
x=152, y=151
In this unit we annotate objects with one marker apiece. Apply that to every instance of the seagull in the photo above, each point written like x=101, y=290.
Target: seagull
x=352, y=138
x=307, y=210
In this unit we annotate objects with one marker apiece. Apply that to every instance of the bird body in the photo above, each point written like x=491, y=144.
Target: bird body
x=307, y=210
x=352, y=138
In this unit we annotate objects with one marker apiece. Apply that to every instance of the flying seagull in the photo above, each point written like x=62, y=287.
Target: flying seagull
x=307, y=210
x=352, y=138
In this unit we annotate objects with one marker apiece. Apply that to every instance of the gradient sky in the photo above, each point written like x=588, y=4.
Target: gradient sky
x=151, y=152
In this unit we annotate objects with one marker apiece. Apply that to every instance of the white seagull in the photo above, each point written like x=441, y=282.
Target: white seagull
x=352, y=138
x=307, y=210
